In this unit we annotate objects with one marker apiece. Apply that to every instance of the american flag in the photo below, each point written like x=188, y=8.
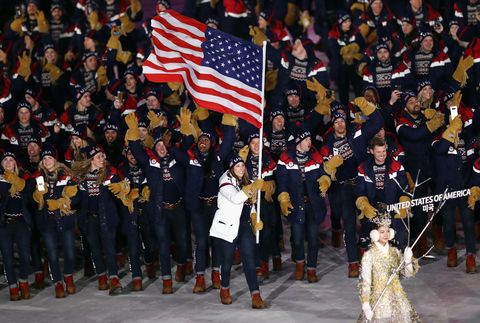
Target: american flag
x=220, y=72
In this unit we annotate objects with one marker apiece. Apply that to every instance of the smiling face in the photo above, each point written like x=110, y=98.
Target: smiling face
x=204, y=144
x=255, y=146
x=8, y=164
x=98, y=161
x=49, y=163
x=239, y=170
x=379, y=154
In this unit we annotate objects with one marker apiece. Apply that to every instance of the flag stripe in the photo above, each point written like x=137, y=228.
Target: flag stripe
x=178, y=55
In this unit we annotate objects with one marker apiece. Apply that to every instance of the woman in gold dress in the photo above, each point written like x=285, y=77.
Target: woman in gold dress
x=379, y=262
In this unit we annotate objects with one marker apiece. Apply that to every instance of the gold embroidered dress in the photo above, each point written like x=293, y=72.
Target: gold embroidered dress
x=378, y=263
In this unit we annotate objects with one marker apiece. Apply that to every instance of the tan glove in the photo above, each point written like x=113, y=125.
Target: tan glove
x=120, y=189
x=229, y=120
x=201, y=113
x=269, y=188
x=364, y=29
x=54, y=71
x=145, y=195
x=358, y=6
x=136, y=6
x=358, y=118
x=17, y=24
x=24, y=67
x=17, y=184
x=258, y=36
x=317, y=87
x=41, y=22
x=429, y=113
x=132, y=133
x=94, y=21
x=184, y=119
x=69, y=191
x=460, y=75
x=123, y=56
x=285, y=203
x=176, y=86
x=436, y=122
x=324, y=183
x=102, y=79
x=323, y=106
x=403, y=212
x=366, y=107
x=305, y=20
x=451, y=133
x=473, y=197
x=128, y=200
x=243, y=153
x=148, y=141
x=156, y=120
x=127, y=26
x=457, y=98
x=114, y=41
x=365, y=207
x=271, y=78
x=63, y=204
x=38, y=196
x=350, y=52
x=251, y=189
x=410, y=181
x=330, y=166
x=256, y=226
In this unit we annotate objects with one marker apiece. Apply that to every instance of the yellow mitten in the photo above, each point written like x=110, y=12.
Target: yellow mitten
x=17, y=24
x=54, y=71
x=271, y=80
x=145, y=195
x=256, y=226
x=359, y=118
x=41, y=22
x=17, y=184
x=201, y=113
x=358, y=6
x=473, y=197
x=324, y=183
x=243, y=153
x=24, y=67
x=54, y=205
x=229, y=120
x=38, y=196
x=436, y=122
x=136, y=6
x=148, y=141
x=460, y=75
x=69, y=191
x=120, y=189
x=403, y=212
x=176, y=86
x=364, y=29
x=132, y=133
x=317, y=87
x=94, y=21
x=457, y=98
x=258, y=36
x=63, y=204
x=129, y=199
x=114, y=41
x=323, y=107
x=305, y=20
x=269, y=188
x=156, y=120
x=331, y=165
x=451, y=133
x=184, y=119
x=365, y=207
x=429, y=113
x=285, y=203
x=251, y=189
x=123, y=56
x=366, y=107
x=410, y=181
x=102, y=79
x=127, y=26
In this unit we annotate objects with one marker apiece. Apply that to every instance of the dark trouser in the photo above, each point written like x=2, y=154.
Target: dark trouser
x=175, y=220
x=420, y=217
x=449, y=227
x=15, y=233
x=188, y=223
x=298, y=235
x=348, y=76
x=102, y=243
x=36, y=250
x=268, y=241
x=343, y=200
x=147, y=235
x=131, y=232
x=246, y=243
x=53, y=240
x=201, y=222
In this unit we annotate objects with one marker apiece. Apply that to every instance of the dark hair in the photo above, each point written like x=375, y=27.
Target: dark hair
x=245, y=180
x=376, y=141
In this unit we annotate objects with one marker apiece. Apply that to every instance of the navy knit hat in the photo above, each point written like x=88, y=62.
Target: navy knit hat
x=275, y=113
x=406, y=96
x=235, y=159
x=93, y=150
x=253, y=136
x=422, y=84
x=165, y=3
x=380, y=46
x=300, y=134
x=24, y=104
x=34, y=139
x=48, y=150
x=88, y=54
x=110, y=126
x=143, y=122
x=9, y=153
x=338, y=115
x=81, y=91
x=342, y=16
x=208, y=135
x=424, y=34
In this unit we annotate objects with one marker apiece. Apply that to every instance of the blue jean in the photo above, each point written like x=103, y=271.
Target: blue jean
x=268, y=241
x=132, y=234
x=343, y=200
x=201, y=221
x=246, y=243
x=15, y=233
x=102, y=243
x=310, y=227
x=147, y=236
x=53, y=240
x=171, y=220
x=36, y=249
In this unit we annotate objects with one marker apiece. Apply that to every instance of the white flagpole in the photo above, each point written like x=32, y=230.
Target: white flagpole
x=260, y=152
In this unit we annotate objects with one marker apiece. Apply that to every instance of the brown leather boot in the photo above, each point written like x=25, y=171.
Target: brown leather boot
x=336, y=238
x=300, y=270
x=180, y=273
x=199, y=284
x=312, y=275
x=151, y=270
x=167, y=286
x=471, y=264
x=257, y=301
x=452, y=257
x=438, y=240
x=59, y=290
x=15, y=294
x=264, y=269
x=189, y=267
x=353, y=270
x=39, y=280
x=225, y=297
x=24, y=290
x=137, y=285
x=277, y=263
x=237, y=258
x=71, y=289
x=215, y=279
x=115, y=286
x=102, y=282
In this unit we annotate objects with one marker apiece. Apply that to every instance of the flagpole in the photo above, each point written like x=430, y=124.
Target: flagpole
x=260, y=152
